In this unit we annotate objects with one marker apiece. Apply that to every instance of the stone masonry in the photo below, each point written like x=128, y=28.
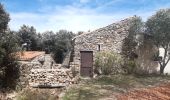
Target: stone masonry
x=111, y=38
x=34, y=74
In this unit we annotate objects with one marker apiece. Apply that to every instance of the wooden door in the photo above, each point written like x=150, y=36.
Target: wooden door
x=86, y=68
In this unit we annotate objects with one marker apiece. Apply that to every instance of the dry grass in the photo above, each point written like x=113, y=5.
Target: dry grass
x=105, y=87
x=39, y=94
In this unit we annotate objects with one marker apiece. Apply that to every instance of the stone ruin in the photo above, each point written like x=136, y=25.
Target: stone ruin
x=35, y=74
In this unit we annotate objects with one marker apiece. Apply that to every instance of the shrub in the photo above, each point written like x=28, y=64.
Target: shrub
x=108, y=63
x=130, y=66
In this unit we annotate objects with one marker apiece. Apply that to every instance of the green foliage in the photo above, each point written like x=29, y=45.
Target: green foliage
x=28, y=35
x=4, y=19
x=132, y=40
x=58, y=44
x=158, y=28
x=8, y=64
x=107, y=63
x=129, y=66
x=104, y=86
x=63, y=45
x=8, y=45
x=131, y=43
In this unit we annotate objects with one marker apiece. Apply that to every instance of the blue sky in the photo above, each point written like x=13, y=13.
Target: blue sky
x=77, y=15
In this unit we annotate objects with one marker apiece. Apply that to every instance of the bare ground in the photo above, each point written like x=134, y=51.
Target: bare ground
x=121, y=87
x=161, y=92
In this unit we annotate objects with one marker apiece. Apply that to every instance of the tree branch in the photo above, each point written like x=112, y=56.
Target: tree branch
x=160, y=63
x=165, y=54
x=167, y=61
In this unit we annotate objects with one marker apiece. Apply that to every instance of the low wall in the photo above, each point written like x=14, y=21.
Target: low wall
x=33, y=76
x=24, y=74
x=52, y=77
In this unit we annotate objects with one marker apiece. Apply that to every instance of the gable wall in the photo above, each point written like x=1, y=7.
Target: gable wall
x=110, y=38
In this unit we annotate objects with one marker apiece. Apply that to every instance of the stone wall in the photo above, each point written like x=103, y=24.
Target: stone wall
x=111, y=38
x=34, y=74
x=51, y=77
x=66, y=61
x=24, y=74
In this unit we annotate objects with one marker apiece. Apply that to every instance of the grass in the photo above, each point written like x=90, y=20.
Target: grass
x=85, y=93
x=37, y=94
x=105, y=86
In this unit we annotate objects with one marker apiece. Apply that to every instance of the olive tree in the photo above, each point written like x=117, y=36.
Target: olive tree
x=4, y=19
x=131, y=43
x=158, y=27
x=9, y=70
x=28, y=35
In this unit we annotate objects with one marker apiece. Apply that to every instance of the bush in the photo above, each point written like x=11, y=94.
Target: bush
x=108, y=63
x=130, y=66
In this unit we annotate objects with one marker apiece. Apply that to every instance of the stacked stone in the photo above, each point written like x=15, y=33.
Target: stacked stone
x=53, y=77
x=110, y=38
x=33, y=73
x=24, y=74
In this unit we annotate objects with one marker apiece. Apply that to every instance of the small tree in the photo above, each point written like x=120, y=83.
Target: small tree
x=108, y=63
x=158, y=27
x=131, y=41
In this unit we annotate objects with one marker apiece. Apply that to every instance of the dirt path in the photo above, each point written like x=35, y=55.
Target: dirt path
x=155, y=93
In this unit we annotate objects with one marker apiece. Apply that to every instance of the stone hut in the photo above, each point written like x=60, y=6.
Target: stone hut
x=110, y=38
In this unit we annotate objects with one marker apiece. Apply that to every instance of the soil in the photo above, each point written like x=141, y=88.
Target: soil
x=28, y=55
x=161, y=92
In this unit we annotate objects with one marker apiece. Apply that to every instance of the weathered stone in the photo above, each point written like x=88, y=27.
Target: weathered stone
x=34, y=74
x=111, y=38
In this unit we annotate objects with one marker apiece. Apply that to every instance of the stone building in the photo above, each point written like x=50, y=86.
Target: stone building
x=110, y=38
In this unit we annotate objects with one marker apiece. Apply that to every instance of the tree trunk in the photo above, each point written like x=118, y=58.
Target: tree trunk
x=162, y=70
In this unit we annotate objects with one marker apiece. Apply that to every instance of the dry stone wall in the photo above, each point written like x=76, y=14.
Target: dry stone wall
x=109, y=38
x=52, y=77
x=34, y=74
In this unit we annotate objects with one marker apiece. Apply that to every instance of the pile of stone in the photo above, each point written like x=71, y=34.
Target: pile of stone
x=51, y=77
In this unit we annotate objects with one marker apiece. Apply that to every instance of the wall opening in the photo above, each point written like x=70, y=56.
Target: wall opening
x=98, y=47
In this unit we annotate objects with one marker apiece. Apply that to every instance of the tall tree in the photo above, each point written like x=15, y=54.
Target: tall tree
x=28, y=35
x=63, y=44
x=8, y=45
x=158, y=27
x=131, y=41
x=4, y=19
x=58, y=44
x=49, y=39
